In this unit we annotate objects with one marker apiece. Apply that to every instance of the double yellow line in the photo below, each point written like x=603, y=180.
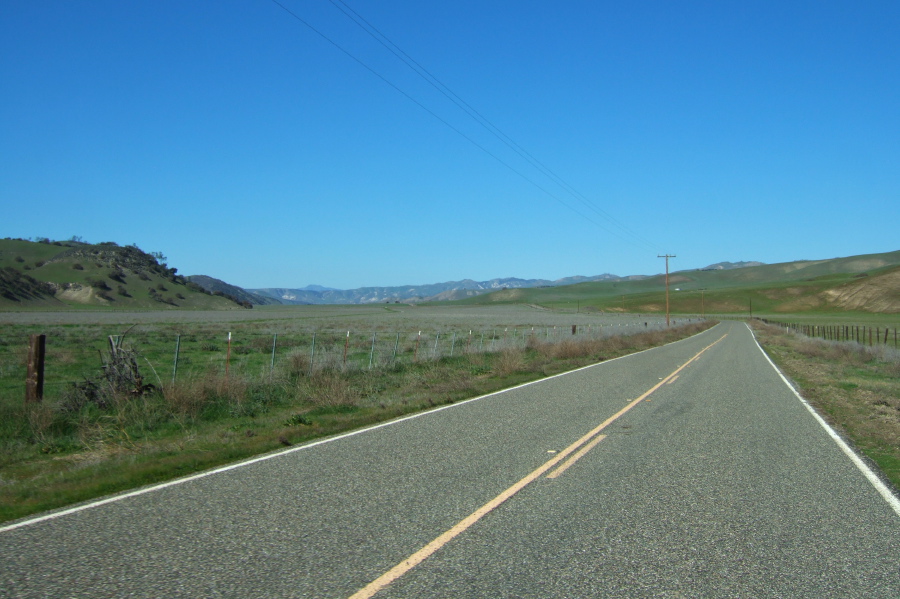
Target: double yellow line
x=588, y=441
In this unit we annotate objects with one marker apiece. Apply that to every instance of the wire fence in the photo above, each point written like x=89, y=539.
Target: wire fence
x=166, y=356
x=862, y=334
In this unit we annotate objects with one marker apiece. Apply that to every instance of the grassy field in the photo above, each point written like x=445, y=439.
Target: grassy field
x=384, y=334
x=790, y=288
x=102, y=436
x=648, y=296
x=82, y=442
x=855, y=387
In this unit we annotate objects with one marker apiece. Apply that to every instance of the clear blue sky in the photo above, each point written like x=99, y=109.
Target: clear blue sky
x=240, y=143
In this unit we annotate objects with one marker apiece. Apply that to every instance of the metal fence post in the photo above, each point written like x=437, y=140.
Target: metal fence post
x=396, y=345
x=312, y=354
x=175, y=365
x=274, y=342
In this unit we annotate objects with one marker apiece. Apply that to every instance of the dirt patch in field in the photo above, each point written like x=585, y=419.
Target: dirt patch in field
x=651, y=308
x=507, y=295
x=794, y=266
x=81, y=295
x=880, y=293
x=801, y=304
x=780, y=294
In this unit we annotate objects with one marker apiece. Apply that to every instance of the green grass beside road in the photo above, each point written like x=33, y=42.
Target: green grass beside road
x=84, y=446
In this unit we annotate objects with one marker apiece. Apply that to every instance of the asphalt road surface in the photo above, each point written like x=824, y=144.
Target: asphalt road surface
x=690, y=470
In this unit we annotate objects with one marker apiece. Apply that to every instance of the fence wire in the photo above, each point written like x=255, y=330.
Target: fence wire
x=167, y=355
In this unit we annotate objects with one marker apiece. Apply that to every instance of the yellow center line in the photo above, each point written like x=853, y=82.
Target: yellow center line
x=425, y=552
x=576, y=457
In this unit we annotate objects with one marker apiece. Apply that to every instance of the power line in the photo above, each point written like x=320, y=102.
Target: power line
x=482, y=120
x=457, y=130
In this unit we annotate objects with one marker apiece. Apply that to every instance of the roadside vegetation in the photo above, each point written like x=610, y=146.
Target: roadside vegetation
x=116, y=430
x=855, y=387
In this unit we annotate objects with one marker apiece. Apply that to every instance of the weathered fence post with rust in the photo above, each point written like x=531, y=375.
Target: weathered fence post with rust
x=34, y=382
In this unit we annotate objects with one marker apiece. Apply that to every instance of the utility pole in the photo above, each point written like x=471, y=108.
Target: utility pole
x=667, y=256
x=702, y=310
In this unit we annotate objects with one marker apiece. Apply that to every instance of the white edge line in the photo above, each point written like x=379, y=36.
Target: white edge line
x=873, y=478
x=279, y=453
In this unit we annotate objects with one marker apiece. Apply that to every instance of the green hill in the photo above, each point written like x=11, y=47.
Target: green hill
x=68, y=274
x=866, y=283
x=214, y=285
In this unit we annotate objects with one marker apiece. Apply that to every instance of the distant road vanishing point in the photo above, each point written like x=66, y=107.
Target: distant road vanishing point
x=689, y=470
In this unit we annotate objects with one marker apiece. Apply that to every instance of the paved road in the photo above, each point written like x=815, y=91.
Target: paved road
x=719, y=483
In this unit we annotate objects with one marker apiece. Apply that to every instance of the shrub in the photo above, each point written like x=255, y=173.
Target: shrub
x=99, y=284
x=298, y=363
x=510, y=361
x=77, y=266
x=78, y=395
x=330, y=388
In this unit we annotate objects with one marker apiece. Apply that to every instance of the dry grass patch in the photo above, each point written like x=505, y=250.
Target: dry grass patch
x=509, y=361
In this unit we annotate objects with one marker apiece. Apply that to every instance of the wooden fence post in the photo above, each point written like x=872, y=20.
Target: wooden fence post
x=34, y=382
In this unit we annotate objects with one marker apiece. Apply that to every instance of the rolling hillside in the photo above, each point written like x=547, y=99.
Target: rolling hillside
x=214, y=285
x=65, y=274
x=866, y=283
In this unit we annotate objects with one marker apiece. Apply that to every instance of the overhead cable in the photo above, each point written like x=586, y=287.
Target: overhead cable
x=473, y=113
x=457, y=130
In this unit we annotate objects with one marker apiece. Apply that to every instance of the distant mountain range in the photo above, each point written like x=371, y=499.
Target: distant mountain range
x=451, y=290
x=314, y=294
